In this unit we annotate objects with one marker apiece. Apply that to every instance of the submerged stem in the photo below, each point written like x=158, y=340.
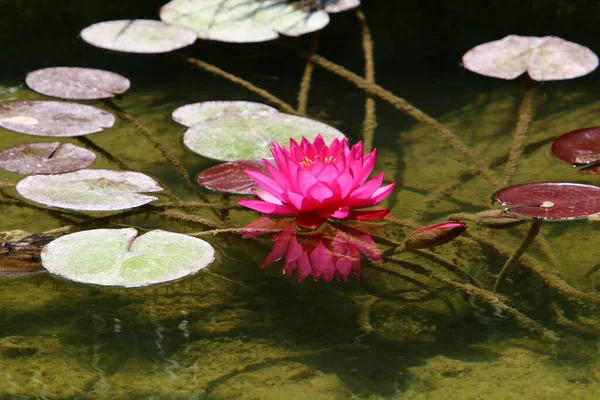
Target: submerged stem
x=520, y=140
x=509, y=266
x=307, y=77
x=370, y=121
x=403, y=105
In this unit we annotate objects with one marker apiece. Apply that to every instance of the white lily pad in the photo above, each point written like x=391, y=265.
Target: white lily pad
x=544, y=59
x=191, y=114
x=45, y=158
x=230, y=136
x=118, y=257
x=77, y=83
x=243, y=21
x=138, y=36
x=90, y=189
x=53, y=118
x=336, y=6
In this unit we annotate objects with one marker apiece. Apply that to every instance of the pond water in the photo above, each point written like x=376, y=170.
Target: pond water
x=422, y=325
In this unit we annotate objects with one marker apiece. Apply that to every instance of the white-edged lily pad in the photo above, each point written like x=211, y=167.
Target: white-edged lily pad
x=243, y=21
x=190, y=114
x=545, y=58
x=77, y=83
x=336, y=6
x=118, y=257
x=138, y=36
x=45, y=158
x=53, y=118
x=90, y=189
x=230, y=136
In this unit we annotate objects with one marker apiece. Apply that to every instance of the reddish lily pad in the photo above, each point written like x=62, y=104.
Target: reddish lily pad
x=77, y=83
x=138, y=36
x=544, y=59
x=53, y=118
x=45, y=158
x=548, y=200
x=230, y=177
x=578, y=147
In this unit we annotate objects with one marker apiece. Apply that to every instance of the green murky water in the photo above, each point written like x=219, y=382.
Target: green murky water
x=237, y=331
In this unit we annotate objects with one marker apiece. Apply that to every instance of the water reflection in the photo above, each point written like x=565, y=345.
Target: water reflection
x=331, y=251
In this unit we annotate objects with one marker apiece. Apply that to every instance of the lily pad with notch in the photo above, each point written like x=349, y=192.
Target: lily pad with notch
x=45, y=158
x=138, y=36
x=550, y=200
x=243, y=21
x=191, y=114
x=230, y=177
x=119, y=257
x=581, y=148
x=543, y=58
x=230, y=137
x=77, y=83
x=90, y=189
x=53, y=118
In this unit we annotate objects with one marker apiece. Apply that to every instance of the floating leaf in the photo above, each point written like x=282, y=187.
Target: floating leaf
x=77, y=83
x=191, y=114
x=336, y=6
x=230, y=177
x=53, y=118
x=544, y=59
x=90, y=189
x=118, y=257
x=45, y=158
x=243, y=21
x=138, y=36
x=550, y=200
x=578, y=147
x=230, y=137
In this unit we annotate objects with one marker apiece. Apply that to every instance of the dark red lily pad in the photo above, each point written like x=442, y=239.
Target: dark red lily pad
x=53, y=118
x=22, y=258
x=77, y=83
x=45, y=158
x=230, y=177
x=578, y=147
x=550, y=200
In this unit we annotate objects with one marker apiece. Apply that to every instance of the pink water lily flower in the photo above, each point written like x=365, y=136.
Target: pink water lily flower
x=316, y=182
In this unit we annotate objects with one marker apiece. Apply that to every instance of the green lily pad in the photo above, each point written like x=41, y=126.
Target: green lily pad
x=191, y=114
x=118, y=257
x=77, y=83
x=90, y=189
x=230, y=136
x=53, y=118
x=45, y=158
x=243, y=21
x=138, y=36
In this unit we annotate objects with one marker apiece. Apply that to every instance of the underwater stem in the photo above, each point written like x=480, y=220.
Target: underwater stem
x=244, y=83
x=307, y=77
x=370, y=121
x=404, y=106
x=510, y=264
x=520, y=140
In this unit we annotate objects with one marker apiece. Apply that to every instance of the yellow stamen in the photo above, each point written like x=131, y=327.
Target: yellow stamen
x=307, y=161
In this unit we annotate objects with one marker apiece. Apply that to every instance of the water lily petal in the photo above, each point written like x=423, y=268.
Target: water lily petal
x=322, y=264
x=368, y=215
x=366, y=190
x=268, y=208
x=265, y=182
x=320, y=192
x=304, y=268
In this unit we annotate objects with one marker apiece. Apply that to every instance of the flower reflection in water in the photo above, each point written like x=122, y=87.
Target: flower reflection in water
x=332, y=251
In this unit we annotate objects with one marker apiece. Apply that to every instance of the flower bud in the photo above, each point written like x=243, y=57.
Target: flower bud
x=496, y=219
x=434, y=235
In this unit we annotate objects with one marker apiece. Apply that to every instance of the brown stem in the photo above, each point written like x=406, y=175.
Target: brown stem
x=370, y=121
x=307, y=77
x=243, y=83
x=404, y=106
x=510, y=264
x=520, y=140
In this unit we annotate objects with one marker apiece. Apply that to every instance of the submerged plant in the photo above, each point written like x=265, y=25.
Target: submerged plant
x=316, y=182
